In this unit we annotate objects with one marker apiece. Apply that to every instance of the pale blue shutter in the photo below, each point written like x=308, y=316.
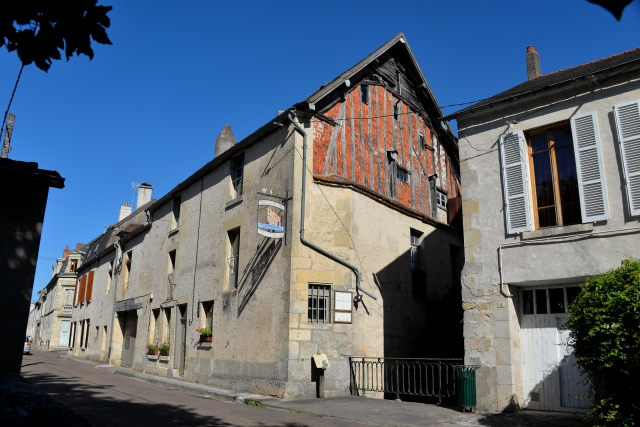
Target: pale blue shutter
x=628, y=120
x=591, y=182
x=514, y=178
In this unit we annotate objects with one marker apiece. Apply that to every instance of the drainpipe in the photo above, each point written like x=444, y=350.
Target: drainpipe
x=304, y=241
x=502, y=290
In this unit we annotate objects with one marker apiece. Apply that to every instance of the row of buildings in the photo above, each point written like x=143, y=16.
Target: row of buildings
x=356, y=224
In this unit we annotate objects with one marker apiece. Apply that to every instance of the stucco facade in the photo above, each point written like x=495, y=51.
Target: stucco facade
x=496, y=321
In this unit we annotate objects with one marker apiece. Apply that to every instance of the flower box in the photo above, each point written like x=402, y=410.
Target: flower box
x=164, y=352
x=206, y=338
x=153, y=351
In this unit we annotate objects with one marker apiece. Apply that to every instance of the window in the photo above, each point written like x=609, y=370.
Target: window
x=422, y=141
x=74, y=265
x=548, y=300
x=206, y=320
x=415, y=249
x=396, y=111
x=234, y=251
x=127, y=268
x=176, y=211
x=402, y=174
x=237, y=173
x=171, y=271
x=556, y=197
x=319, y=302
x=68, y=297
x=441, y=199
x=155, y=327
x=364, y=92
x=109, y=277
x=95, y=333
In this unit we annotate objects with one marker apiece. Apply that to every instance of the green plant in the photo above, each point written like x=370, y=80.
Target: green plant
x=163, y=347
x=256, y=404
x=204, y=331
x=152, y=346
x=604, y=325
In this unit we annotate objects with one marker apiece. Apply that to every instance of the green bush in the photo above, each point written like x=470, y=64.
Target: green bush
x=604, y=325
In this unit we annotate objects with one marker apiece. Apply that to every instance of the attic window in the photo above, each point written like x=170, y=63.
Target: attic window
x=396, y=112
x=364, y=91
x=402, y=174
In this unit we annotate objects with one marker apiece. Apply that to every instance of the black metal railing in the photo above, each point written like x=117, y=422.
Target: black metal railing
x=396, y=376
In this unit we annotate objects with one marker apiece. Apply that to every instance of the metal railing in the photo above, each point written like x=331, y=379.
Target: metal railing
x=415, y=377
x=67, y=308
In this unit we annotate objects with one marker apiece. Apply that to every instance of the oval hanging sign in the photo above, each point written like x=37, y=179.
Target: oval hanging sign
x=270, y=219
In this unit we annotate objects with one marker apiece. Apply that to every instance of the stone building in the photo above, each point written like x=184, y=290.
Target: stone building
x=56, y=301
x=551, y=175
x=350, y=254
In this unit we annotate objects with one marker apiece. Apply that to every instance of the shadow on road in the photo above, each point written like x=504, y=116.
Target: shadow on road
x=92, y=402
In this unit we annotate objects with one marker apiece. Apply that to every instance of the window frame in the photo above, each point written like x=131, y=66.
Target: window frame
x=549, y=130
x=402, y=170
x=326, y=295
x=441, y=194
x=237, y=182
x=546, y=289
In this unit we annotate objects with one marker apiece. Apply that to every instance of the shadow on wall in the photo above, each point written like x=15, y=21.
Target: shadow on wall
x=255, y=270
x=422, y=310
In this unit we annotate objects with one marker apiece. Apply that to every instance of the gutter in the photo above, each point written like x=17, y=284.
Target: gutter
x=304, y=241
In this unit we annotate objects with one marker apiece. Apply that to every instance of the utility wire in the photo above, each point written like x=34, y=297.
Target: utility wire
x=6, y=113
x=79, y=206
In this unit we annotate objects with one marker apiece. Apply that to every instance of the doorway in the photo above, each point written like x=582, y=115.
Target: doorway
x=181, y=338
x=129, y=338
x=65, y=327
x=552, y=380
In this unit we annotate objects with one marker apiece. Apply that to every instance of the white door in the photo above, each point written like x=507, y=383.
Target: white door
x=552, y=381
x=65, y=327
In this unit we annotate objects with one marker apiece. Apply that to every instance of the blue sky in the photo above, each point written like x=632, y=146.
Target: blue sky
x=149, y=107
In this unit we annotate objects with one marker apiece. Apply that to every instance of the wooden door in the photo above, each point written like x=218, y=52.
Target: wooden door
x=65, y=327
x=181, y=339
x=129, y=338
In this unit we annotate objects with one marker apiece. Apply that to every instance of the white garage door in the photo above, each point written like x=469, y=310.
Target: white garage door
x=552, y=381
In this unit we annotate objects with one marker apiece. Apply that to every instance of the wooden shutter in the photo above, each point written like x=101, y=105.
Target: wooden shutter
x=628, y=121
x=83, y=287
x=89, y=286
x=514, y=179
x=588, y=152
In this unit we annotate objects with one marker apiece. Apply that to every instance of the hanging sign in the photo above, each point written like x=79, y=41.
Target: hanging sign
x=343, y=307
x=270, y=215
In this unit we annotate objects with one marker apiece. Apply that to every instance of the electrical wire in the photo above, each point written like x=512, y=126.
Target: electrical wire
x=6, y=113
x=80, y=206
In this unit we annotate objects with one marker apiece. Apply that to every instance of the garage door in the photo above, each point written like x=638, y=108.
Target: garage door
x=552, y=380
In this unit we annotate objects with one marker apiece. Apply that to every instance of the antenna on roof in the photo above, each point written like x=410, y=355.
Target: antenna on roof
x=134, y=187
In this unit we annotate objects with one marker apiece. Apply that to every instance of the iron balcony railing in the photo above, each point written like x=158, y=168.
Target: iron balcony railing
x=400, y=376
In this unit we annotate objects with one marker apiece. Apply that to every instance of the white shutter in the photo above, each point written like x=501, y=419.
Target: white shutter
x=593, y=186
x=628, y=121
x=514, y=179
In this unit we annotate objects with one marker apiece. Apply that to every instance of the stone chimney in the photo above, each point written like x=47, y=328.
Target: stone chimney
x=224, y=141
x=65, y=252
x=125, y=211
x=533, y=63
x=144, y=194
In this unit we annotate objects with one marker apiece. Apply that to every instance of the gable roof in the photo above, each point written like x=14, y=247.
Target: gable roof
x=556, y=79
x=397, y=46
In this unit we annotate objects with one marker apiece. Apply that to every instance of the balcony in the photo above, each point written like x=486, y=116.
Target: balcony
x=67, y=308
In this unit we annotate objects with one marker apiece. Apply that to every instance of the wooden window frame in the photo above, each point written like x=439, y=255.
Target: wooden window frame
x=554, y=170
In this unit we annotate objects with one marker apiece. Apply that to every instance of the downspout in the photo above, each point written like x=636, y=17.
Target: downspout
x=116, y=269
x=304, y=241
x=502, y=290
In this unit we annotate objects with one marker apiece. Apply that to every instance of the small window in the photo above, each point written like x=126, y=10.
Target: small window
x=176, y=211
x=207, y=311
x=402, y=174
x=556, y=300
x=415, y=249
x=74, y=265
x=441, y=199
x=572, y=293
x=396, y=112
x=109, y=277
x=541, y=301
x=527, y=302
x=234, y=252
x=127, y=268
x=171, y=274
x=319, y=304
x=364, y=90
x=422, y=141
x=237, y=174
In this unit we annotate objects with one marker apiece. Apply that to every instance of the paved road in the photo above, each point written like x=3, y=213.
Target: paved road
x=106, y=399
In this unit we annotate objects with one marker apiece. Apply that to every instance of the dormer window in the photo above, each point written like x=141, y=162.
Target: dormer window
x=364, y=94
x=74, y=265
x=237, y=174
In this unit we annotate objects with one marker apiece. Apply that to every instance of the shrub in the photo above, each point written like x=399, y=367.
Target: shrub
x=204, y=331
x=152, y=347
x=163, y=347
x=604, y=325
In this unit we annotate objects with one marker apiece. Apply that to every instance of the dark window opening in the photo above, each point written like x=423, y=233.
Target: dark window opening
x=441, y=199
x=207, y=308
x=364, y=92
x=527, y=302
x=396, y=112
x=572, y=293
x=422, y=142
x=319, y=303
x=171, y=274
x=176, y=211
x=556, y=300
x=541, y=301
x=237, y=173
x=415, y=249
x=402, y=174
x=234, y=242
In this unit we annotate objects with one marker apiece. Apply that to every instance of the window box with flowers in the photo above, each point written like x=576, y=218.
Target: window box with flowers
x=164, y=349
x=152, y=349
x=205, y=334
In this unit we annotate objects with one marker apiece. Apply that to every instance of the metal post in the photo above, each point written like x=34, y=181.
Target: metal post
x=397, y=384
x=321, y=383
x=439, y=382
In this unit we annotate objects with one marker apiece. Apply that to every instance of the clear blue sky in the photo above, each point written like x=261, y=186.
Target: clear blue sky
x=149, y=107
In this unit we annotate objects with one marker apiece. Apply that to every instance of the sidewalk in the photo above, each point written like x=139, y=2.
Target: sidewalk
x=364, y=410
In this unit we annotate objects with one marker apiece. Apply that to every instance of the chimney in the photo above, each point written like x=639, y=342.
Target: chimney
x=65, y=252
x=224, y=141
x=144, y=194
x=533, y=63
x=125, y=211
